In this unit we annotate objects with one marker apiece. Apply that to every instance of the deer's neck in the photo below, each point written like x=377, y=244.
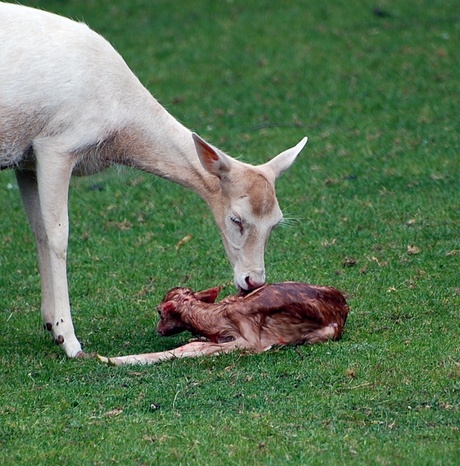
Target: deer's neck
x=159, y=144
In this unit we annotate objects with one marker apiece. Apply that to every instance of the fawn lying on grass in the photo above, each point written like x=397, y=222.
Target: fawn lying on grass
x=288, y=313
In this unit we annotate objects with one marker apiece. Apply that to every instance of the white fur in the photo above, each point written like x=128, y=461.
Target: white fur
x=70, y=104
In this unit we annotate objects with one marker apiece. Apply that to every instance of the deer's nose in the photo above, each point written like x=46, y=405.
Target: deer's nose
x=252, y=285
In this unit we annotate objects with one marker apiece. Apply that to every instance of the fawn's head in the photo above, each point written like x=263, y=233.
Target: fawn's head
x=175, y=303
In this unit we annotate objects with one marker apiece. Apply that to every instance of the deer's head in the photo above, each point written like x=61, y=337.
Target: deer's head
x=245, y=207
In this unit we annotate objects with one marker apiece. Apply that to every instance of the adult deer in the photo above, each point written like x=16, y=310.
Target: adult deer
x=69, y=104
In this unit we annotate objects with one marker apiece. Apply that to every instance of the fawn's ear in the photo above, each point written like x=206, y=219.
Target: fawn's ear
x=213, y=160
x=168, y=306
x=208, y=296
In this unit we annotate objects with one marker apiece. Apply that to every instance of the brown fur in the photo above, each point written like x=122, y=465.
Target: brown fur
x=263, y=200
x=288, y=313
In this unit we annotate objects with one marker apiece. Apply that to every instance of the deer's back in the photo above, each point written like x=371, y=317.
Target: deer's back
x=59, y=80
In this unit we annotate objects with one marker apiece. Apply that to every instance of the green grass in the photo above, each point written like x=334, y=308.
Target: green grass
x=375, y=208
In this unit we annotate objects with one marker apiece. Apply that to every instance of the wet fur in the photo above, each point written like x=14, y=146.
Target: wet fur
x=288, y=313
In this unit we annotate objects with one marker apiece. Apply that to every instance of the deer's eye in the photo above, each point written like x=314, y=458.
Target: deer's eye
x=237, y=220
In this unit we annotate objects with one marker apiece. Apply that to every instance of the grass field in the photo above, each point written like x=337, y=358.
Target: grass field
x=374, y=209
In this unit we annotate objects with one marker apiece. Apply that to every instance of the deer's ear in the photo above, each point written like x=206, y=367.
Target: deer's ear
x=213, y=160
x=279, y=164
x=208, y=296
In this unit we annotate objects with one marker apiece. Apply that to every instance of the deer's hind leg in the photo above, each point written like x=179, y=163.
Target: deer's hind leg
x=332, y=331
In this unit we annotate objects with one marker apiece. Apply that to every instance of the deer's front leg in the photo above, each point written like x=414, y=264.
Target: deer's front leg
x=46, y=204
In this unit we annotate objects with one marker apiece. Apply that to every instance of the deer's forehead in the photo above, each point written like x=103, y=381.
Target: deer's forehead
x=259, y=194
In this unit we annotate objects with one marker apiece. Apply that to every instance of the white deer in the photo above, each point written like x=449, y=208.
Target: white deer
x=69, y=104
